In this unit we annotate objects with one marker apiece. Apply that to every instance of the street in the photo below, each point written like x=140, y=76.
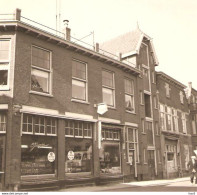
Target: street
x=173, y=185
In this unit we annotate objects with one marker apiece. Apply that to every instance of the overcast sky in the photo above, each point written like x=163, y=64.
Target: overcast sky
x=171, y=23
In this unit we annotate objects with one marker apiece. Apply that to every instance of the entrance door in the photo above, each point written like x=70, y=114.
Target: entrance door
x=151, y=164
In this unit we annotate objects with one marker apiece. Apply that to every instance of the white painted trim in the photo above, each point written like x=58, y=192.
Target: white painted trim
x=37, y=110
x=79, y=116
x=131, y=124
x=109, y=120
x=3, y=106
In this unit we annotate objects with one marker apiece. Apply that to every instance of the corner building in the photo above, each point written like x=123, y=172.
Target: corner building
x=51, y=133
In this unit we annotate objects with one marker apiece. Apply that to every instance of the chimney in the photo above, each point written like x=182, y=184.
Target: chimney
x=67, y=31
x=97, y=47
x=17, y=14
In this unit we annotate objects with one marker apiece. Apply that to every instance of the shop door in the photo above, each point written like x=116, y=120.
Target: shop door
x=2, y=148
x=151, y=164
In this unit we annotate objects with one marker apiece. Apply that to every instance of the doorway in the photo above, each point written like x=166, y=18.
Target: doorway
x=151, y=164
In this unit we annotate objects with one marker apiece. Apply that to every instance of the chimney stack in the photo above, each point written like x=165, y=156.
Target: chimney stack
x=67, y=31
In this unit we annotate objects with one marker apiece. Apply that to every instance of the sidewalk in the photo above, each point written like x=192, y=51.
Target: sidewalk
x=123, y=185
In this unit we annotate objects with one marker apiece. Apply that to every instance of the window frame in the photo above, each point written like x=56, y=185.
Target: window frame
x=84, y=81
x=3, y=122
x=48, y=71
x=168, y=89
x=181, y=94
x=6, y=65
x=109, y=88
x=184, y=122
x=130, y=94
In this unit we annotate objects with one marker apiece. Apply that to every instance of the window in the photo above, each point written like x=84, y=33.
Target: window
x=153, y=76
x=194, y=123
x=108, y=88
x=155, y=102
x=145, y=156
x=157, y=128
x=132, y=145
x=39, y=125
x=175, y=120
x=2, y=122
x=4, y=63
x=109, y=134
x=159, y=156
x=162, y=117
x=183, y=117
x=181, y=97
x=79, y=80
x=169, y=119
x=78, y=129
x=141, y=98
x=147, y=105
x=143, y=125
x=41, y=70
x=149, y=131
x=167, y=87
x=129, y=95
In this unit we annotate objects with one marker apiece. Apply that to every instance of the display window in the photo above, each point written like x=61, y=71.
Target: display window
x=38, y=155
x=78, y=148
x=109, y=154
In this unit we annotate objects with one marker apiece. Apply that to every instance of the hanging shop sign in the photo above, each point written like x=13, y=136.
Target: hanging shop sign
x=71, y=155
x=51, y=156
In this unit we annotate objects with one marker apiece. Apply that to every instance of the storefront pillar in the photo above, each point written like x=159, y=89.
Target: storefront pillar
x=61, y=150
x=96, y=152
x=15, y=169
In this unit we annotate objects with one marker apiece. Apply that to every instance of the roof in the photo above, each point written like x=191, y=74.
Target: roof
x=127, y=43
x=169, y=78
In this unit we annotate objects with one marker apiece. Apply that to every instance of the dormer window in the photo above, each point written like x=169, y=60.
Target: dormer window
x=167, y=87
x=181, y=97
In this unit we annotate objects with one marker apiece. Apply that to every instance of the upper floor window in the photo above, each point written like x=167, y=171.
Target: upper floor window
x=144, y=54
x=162, y=117
x=181, y=97
x=108, y=88
x=175, y=120
x=169, y=118
x=2, y=122
x=141, y=98
x=4, y=63
x=149, y=131
x=79, y=80
x=184, y=122
x=148, y=110
x=155, y=102
x=129, y=95
x=167, y=86
x=41, y=70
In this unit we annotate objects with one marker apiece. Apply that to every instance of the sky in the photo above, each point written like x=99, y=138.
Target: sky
x=171, y=23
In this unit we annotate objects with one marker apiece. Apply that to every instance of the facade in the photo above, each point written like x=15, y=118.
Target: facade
x=175, y=126
x=55, y=129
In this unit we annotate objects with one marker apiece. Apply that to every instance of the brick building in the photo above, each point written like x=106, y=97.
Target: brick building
x=175, y=126
x=51, y=93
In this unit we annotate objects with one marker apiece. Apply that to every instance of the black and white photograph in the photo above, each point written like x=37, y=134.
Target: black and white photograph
x=98, y=96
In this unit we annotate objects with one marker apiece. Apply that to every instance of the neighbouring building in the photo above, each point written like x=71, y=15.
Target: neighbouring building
x=71, y=115
x=175, y=126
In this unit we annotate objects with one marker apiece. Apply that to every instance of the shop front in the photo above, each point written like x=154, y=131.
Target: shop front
x=38, y=147
x=78, y=149
x=109, y=154
x=3, y=120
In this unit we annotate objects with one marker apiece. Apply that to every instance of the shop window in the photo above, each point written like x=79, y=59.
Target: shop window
x=4, y=63
x=69, y=128
x=35, y=124
x=129, y=95
x=109, y=153
x=78, y=157
x=147, y=105
x=2, y=122
x=132, y=145
x=108, y=88
x=79, y=80
x=78, y=126
x=38, y=155
x=41, y=70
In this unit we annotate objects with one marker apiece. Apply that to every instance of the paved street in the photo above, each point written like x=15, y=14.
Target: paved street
x=173, y=185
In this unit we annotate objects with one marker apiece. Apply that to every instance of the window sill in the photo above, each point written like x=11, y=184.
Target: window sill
x=145, y=163
x=41, y=94
x=4, y=89
x=143, y=133
x=80, y=101
x=130, y=112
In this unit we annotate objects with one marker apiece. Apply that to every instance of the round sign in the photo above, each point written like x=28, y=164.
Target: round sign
x=51, y=156
x=71, y=155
